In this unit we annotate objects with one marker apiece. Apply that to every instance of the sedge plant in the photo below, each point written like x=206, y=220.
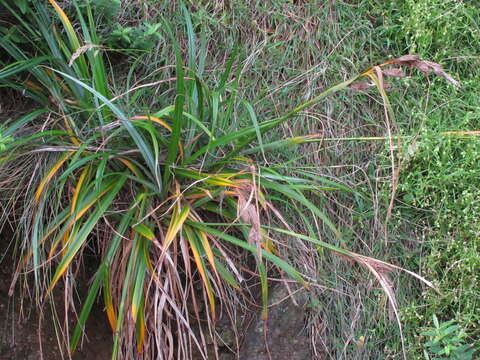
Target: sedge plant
x=170, y=198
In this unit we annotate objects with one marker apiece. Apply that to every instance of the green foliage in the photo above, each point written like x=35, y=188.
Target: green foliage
x=143, y=37
x=23, y=5
x=107, y=9
x=439, y=185
x=4, y=140
x=447, y=341
x=166, y=192
x=440, y=27
x=442, y=178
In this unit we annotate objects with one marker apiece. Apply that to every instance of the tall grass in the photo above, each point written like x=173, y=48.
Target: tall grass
x=168, y=196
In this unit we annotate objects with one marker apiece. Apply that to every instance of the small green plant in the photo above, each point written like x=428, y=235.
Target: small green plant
x=142, y=37
x=447, y=341
x=4, y=140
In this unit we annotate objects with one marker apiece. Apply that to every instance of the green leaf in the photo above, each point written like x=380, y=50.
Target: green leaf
x=298, y=196
x=137, y=298
x=82, y=235
x=127, y=284
x=145, y=231
x=20, y=66
x=290, y=270
x=136, y=136
x=23, y=121
x=22, y=5
x=86, y=309
x=178, y=112
x=253, y=117
x=225, y=274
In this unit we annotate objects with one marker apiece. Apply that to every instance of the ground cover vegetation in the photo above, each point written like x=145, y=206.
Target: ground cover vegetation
x=184, y=143
x=441, y=174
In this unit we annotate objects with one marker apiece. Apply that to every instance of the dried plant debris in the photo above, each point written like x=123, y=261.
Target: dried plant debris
x=80, y=51
x=424, y=66
x=248, y=212
x=360, y=85
x=394, y=72
x=412, y=61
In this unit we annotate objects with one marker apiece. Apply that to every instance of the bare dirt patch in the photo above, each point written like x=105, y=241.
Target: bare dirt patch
x=24, y=337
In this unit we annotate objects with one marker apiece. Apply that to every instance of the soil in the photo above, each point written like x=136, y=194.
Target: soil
x=22, y=337
x=282, y=337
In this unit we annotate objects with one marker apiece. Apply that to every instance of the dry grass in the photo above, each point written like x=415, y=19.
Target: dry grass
x=166, y=255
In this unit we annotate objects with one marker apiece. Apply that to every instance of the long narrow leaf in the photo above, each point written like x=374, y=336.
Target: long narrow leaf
x=290, y=270
x=136, y=136
x=20, y=66
x=83, y=233
x=178, y=113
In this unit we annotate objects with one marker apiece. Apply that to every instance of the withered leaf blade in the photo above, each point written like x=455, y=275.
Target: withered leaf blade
x=80, y=51
x=424, y=66
x=438, y=70
x=387, y=85
x=359, y=86
x=402, y=60
x=428, y=66
x=394, y=72
x=248, y=212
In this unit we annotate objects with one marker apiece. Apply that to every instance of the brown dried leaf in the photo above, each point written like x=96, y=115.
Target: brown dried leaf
x=80, y=51
x=428, y=66
x=359, y=86
x=405, y=59
x=381, y=272
x=248, y=212
x=424, y=66
x=394, y=72
x=387, y=85
x=438, y=70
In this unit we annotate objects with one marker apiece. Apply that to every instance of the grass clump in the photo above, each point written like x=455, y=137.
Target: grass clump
x=165, y=194
x=160, y=169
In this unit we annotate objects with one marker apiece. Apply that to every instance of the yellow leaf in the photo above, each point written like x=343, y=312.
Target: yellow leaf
x=140, y=332
x=130, y=165
x=50, y=175
x=191, y=237
x=178, y=218
x=360, y=342
x=73, y=138
x=76, y=192
x=154, y=119
x=145, y=231
x=208, y=249
x=68, y=25
x=112, y=317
